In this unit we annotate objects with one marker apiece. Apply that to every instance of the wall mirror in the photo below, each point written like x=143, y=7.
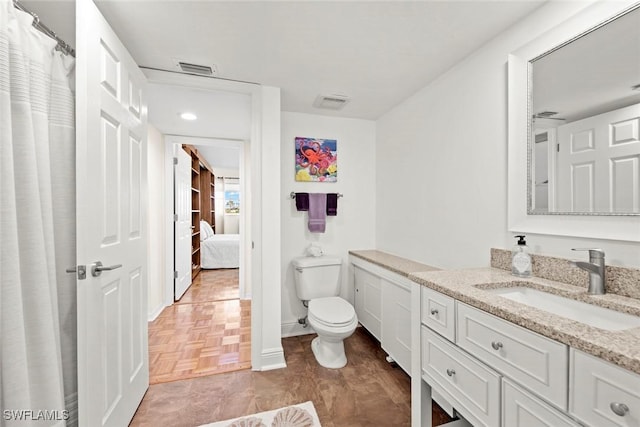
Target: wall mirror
x=526, y=212
x=584, y=123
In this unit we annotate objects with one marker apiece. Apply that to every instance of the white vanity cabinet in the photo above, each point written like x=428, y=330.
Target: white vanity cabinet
x=383, y=307
x=495, y=373
x=602, y=394
x=368, y=300
x=396, y=321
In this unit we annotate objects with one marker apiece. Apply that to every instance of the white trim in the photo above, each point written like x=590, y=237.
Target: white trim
x=154, y=315
x=272, y=358
x=623, y=228
x=295, y=329
x=169, y=153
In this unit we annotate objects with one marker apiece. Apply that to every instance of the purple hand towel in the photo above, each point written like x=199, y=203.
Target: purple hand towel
x=332, y=204
x=317, y=212
x=302, y=201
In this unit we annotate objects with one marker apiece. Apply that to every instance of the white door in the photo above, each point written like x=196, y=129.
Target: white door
x=599, y=163
x=182, y=225
x=113, y=365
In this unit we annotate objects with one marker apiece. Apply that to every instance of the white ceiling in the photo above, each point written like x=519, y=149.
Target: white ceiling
x=378, y=52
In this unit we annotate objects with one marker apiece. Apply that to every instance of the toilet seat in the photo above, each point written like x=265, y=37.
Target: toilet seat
x=331, y=312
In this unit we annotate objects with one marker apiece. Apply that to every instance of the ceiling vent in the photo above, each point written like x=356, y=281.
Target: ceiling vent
x=331, y=102
x=204, y=70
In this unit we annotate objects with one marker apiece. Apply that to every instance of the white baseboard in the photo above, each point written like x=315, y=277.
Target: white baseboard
x=155, y=313
x=272, y=358
x=294, y=329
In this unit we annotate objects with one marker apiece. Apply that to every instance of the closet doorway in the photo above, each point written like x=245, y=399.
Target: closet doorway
x=205, y=327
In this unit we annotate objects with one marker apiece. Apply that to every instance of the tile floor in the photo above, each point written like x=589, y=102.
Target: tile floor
x=208, y=331
x=367, y=392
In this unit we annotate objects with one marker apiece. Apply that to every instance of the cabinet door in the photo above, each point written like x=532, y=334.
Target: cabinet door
x=521, y=409
x=602, y=394
x=396, y=325
x=368, y=301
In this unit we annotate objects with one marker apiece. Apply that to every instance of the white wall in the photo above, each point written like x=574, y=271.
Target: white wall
x=442, y=163
x=156, y=215
x=353, y=227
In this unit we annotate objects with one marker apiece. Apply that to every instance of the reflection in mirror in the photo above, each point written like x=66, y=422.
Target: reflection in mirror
x=584, y=105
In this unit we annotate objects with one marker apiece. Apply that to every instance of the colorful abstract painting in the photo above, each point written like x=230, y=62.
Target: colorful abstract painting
x=316, y=160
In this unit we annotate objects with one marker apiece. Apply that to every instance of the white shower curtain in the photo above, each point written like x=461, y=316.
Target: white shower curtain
x=38, y=384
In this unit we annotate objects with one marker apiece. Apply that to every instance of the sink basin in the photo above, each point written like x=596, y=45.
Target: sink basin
x=579, y=311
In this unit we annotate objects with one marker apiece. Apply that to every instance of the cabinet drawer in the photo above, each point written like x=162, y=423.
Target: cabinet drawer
x=597, y=385
x=521, y=409
x=472, y=388
x=538, y=363
x=438, y=313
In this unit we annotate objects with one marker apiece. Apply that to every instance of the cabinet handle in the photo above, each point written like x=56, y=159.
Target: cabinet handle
x=619, y=409
x=451, y=373
x=434, y=311
x=497, y=345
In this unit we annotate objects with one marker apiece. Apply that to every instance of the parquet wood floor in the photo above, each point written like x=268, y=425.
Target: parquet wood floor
x=367, y=392
x=206, y=332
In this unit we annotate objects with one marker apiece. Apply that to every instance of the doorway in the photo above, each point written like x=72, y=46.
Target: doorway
x=204, y=326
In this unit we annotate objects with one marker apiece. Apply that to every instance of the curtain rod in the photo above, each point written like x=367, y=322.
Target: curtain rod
x=63, y=46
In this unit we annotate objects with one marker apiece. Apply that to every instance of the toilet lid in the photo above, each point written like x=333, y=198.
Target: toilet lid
x=333, y=311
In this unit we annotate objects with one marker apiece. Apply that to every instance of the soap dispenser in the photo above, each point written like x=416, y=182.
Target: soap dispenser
x=520, y=258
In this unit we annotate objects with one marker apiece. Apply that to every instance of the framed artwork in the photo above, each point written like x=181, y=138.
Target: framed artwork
x=316, y=160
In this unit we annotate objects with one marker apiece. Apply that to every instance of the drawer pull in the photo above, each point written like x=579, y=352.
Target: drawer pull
x=451, y=373
x=497, y=345
x=619, y=409
x=434, y=311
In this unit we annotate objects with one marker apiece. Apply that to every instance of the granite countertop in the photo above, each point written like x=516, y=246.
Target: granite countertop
x=394, y=263
x=469, y=286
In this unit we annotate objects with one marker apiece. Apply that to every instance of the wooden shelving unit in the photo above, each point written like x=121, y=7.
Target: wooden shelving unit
x=202, y=202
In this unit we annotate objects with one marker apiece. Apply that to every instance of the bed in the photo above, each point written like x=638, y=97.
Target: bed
x=218, y=250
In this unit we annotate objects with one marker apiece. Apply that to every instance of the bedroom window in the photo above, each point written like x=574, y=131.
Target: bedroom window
x=231, y=203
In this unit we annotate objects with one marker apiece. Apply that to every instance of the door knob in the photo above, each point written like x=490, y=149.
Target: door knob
x=97, y=268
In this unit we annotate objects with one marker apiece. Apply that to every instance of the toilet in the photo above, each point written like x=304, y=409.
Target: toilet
x=317, y=281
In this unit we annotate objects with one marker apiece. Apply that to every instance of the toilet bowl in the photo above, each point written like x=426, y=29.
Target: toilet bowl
x=333, y=319
x=318, y=283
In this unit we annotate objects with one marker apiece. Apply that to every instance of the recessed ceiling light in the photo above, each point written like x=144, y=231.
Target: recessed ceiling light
x=188, y=116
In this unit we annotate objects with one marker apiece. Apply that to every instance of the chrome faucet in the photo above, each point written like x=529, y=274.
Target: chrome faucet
x=596, y=269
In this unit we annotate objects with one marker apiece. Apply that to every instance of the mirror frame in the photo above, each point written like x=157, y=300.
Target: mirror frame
x=617, y=227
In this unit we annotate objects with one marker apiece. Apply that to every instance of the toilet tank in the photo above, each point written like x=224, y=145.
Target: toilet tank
x=317, y=277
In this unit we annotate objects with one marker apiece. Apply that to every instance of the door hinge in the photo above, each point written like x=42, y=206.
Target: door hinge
x=558, y=147
x=253, y=245
x=175, y=217
x=175, y=160
x=175, y=274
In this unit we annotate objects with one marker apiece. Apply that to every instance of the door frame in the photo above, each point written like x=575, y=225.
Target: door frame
x=173, y=140
x=262, y=237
